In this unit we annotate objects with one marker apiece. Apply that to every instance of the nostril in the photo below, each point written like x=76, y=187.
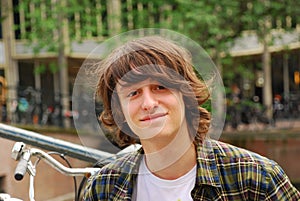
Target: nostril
x=149, y=105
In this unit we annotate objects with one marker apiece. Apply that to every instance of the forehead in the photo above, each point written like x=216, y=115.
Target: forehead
x=122, y=85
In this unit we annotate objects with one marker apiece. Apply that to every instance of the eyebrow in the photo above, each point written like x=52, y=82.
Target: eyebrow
x=122, y=87
x=128, y=84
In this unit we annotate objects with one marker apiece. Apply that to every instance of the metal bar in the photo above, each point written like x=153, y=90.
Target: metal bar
x=52, y=144
x=60, y=167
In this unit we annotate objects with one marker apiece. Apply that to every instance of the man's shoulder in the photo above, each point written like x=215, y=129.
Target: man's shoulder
x=115, y=176
x=242, y=174
x=125, y=164
x=232, y=161
x=232, y=153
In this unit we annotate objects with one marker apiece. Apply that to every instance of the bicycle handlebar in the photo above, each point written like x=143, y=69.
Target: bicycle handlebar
x=23, y=155
x=58, y=166
x=22, y=166
x=52, y=144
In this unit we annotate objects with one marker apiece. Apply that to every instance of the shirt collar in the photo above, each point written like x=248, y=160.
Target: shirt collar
x=207, y=171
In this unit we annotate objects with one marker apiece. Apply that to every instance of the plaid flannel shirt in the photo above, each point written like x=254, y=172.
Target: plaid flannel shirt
x=224, y=172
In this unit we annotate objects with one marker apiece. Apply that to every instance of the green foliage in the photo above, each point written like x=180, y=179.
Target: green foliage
x=53, y=67
x=207, y=105
x=213, y=24
x=44, y=21
x=207, y=22
x=40, y=69
x=275, y=11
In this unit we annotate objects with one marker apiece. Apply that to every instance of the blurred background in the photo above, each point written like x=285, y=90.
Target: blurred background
x=255, y=44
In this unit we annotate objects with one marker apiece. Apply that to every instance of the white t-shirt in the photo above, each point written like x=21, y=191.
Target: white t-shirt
x=151, y=188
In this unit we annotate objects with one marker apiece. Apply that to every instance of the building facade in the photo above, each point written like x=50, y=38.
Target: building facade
x=36, y=81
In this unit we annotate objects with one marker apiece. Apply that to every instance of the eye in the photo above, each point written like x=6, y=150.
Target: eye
x=132, y=94
x=160, y=88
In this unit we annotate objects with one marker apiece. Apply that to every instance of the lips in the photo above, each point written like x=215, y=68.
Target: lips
x=153, y=116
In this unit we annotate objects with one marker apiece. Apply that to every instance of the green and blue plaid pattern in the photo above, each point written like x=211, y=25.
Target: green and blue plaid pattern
x=224, y=172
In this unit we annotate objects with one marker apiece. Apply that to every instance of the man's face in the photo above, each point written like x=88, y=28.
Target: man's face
x=151, y=110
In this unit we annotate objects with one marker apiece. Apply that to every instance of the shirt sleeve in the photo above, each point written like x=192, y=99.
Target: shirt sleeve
x=90, y=193
x=280, y=187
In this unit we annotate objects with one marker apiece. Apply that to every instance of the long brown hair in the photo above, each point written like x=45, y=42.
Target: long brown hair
x=155, y=57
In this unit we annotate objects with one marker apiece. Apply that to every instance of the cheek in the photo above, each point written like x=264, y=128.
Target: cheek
x=177, y=100
x=129, y=109
x=179, y=105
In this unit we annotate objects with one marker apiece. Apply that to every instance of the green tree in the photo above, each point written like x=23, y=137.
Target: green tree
x=214, y=24
x=45, y=29
x=207, y=22
x=51, y=27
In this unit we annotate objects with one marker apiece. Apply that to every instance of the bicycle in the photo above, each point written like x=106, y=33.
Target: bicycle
x=25, y=155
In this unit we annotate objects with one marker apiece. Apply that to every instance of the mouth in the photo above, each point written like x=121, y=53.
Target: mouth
x=153, y=116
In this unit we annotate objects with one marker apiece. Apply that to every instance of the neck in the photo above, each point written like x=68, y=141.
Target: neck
x=177, y=168
x=170, y=156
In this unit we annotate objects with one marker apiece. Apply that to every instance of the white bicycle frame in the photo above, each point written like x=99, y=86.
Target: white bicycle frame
x=23, y=155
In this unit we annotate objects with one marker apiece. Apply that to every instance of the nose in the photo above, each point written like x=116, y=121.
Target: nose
x=149, y=100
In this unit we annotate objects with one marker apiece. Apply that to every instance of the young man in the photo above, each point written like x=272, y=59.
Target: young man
x=152, y=96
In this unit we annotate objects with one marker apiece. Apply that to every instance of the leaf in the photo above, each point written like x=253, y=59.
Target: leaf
x=40, y=69
x=53, y=67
